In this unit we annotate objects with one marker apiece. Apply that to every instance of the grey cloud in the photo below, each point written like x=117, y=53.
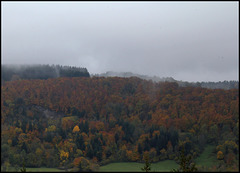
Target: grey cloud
x=186, y=41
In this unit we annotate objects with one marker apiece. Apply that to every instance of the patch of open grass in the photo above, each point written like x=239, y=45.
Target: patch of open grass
x=166, y=165
x=207, y=158
x=121, y=167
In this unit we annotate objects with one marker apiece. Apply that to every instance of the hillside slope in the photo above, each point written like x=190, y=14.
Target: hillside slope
x=99, y=120
x=211, y=85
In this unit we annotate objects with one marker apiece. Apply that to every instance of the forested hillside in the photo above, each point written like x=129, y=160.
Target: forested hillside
x=83, y=122
x=17, y=72
x=212, y=85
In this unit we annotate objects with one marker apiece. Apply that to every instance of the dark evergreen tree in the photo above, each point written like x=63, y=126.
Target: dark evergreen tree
x=147, y=166
x=186, y=164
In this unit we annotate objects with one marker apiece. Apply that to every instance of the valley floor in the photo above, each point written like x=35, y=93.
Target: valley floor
x=166, y=165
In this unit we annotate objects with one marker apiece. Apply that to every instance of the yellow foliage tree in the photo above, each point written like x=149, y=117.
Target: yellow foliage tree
x=64, y=158
x=51, y=128
x=220, y=155
x=76, y=129
x=64, y=155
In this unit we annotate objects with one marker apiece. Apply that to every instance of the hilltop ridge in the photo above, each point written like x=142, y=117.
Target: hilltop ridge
x=40, y=71
x=211, y=85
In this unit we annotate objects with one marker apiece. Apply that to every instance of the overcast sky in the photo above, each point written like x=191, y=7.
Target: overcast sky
x=189, y=41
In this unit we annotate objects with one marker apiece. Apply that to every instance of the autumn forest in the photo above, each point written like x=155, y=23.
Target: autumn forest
x=83, y=122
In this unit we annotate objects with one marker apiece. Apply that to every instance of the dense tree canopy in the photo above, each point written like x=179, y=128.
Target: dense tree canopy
x=85, y=122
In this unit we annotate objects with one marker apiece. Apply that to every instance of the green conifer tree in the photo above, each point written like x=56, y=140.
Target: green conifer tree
x=186, y=164
x=147, y=166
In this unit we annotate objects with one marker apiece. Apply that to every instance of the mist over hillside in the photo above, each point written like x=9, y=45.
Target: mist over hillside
x=130, y=74
x=11, y=72
x=40, y=71
x=211, y=85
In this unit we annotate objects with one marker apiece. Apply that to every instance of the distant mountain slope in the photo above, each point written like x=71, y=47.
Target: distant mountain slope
x=211, y=85
x=130, y=74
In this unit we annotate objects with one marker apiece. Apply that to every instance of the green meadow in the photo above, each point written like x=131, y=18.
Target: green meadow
x=207, y=158
x=166, y=165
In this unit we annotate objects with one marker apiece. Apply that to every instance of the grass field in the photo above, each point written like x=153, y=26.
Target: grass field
x=207, y=158
x=163, y=166
x=166, y=165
